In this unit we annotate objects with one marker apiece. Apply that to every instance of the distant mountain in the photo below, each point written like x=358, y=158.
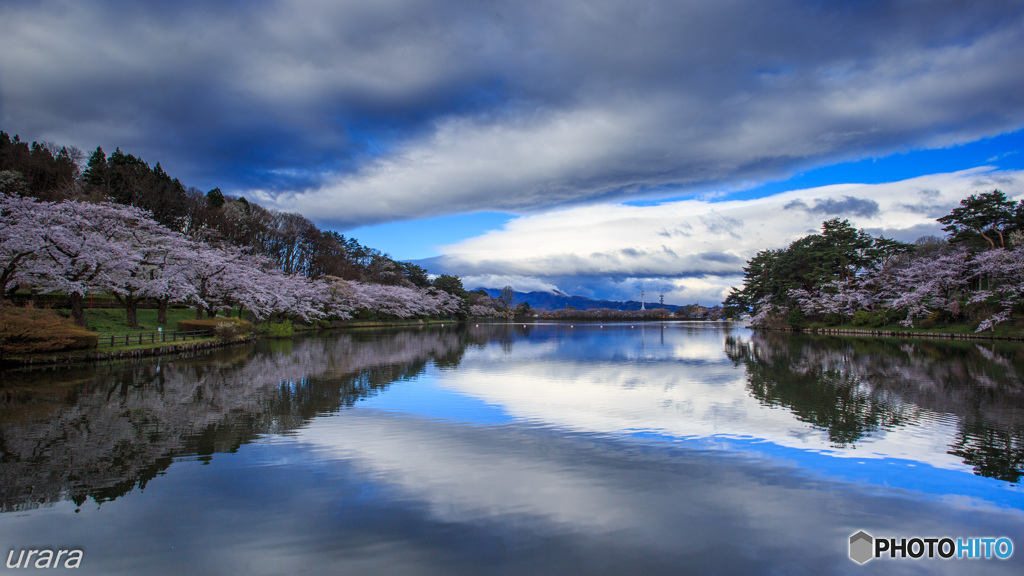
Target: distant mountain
x=556, y=301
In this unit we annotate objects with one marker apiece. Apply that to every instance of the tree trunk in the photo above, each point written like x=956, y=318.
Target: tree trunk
x=199, y=312
x=77, y=309
x=161, y=311
x=991, y=243
x=131, y=308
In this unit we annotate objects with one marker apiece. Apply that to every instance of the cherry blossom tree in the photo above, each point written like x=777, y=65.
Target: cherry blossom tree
x=1004, y=272
x=85, y=247
x=158, y=272
x=928, y=285
x=23, y=222
x=396, y=301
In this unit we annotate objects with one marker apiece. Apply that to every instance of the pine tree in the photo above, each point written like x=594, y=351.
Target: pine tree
x=96, y=174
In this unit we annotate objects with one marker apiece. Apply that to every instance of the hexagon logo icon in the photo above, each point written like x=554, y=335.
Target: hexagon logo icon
x=861, y=547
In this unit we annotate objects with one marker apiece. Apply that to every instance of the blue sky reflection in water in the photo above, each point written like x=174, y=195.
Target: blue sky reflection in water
x=544, y=449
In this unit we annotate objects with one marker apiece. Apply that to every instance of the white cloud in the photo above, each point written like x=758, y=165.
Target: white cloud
x=518, y=283
x=694, y=249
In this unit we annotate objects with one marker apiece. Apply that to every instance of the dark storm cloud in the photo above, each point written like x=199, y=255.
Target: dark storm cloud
x=368, y=111
x=848, y=206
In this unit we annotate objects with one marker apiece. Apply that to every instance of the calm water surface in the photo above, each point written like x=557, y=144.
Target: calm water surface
x=509, y=449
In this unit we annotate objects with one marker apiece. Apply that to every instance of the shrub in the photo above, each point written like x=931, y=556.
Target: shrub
x=796, y=317
x=861, y=318
x=34, y=331
x=879, y=318
x=227, y=331
x=280, y=329
x=223, y=328
x=926, y=323
x=833, y=319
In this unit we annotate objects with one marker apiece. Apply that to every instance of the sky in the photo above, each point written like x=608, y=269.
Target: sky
x=595, y=147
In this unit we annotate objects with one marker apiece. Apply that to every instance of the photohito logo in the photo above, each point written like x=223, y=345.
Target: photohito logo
x=864, y=547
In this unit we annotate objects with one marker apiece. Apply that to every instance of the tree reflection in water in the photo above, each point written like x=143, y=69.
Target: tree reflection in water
x=97, y=432
x=853, y=387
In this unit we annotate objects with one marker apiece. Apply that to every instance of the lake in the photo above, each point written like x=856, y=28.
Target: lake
x=655, y=448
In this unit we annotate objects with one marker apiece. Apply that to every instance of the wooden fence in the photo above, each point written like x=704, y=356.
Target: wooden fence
x=152, y=337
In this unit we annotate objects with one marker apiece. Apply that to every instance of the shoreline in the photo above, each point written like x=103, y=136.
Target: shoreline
x=93, y=356
x=894, y=333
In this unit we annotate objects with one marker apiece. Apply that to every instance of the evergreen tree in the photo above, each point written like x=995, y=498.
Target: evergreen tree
x=988, y=215
x=215, y=198
x=96, y=173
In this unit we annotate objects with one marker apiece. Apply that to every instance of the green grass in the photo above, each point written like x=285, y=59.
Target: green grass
x=111, y=321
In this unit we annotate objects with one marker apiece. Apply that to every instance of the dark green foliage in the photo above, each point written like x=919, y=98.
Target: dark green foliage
x=49, y=172
x=523, y=309
x=839, y=252
x=735, y=304
x=874, y=319
x=95, y=175
x=215, y=198
x=883, y=317
x=796, y=318
x=861, y=318
x=415, y=274
x=833, y=319
x=984, y=220
x=452, y=285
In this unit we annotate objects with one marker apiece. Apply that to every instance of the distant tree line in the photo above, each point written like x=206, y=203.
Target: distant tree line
x=842, y=274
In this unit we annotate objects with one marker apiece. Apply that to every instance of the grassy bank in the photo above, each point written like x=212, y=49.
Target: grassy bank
x=111, y=321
